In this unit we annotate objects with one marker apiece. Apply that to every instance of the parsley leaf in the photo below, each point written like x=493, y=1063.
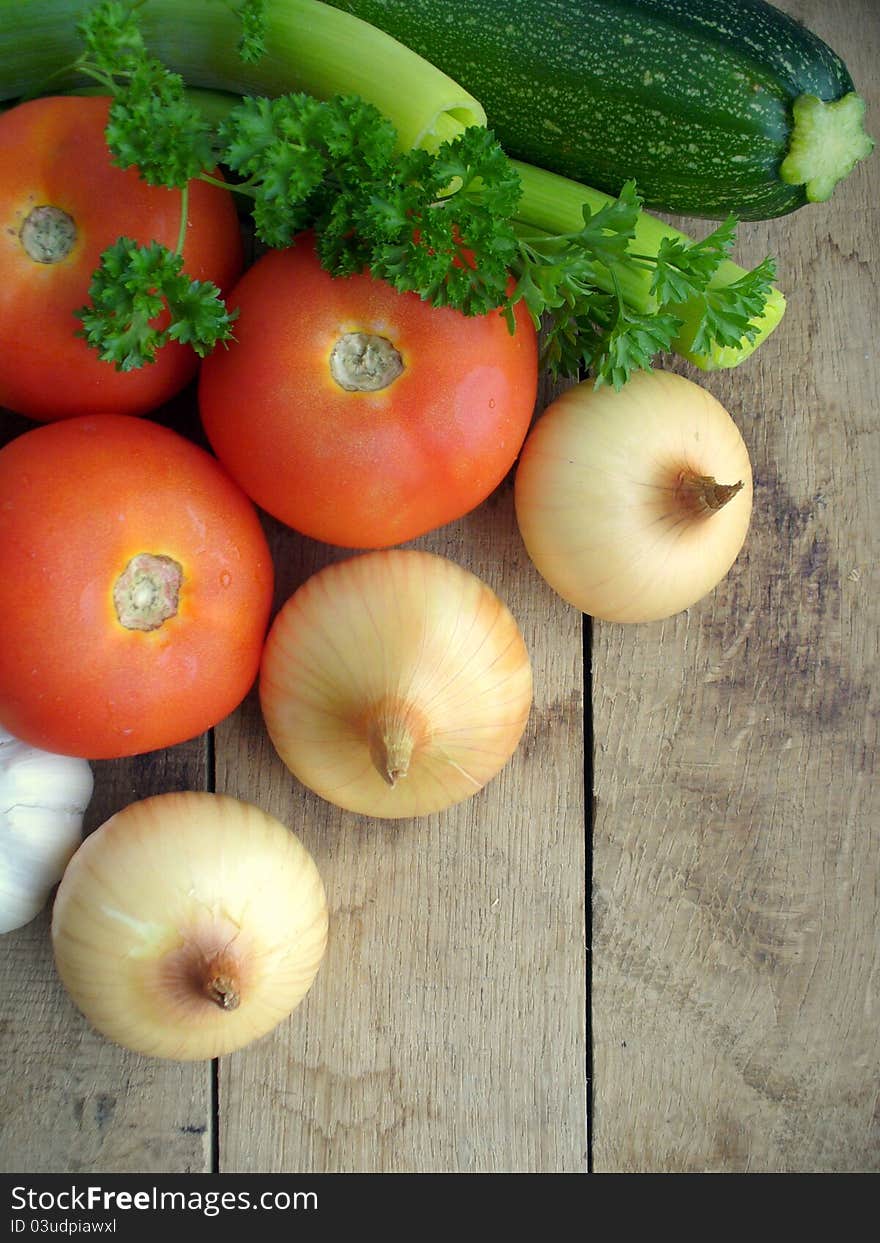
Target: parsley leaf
x=252, y=44
x=111, y=37
x=442, y=225
x=131, y=294
x=276, y=144
x=414, y=219
x=154, y=126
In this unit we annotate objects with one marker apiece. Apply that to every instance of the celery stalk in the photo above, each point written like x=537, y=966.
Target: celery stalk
x=555, y=204
x=310, y=47
x=324, y=51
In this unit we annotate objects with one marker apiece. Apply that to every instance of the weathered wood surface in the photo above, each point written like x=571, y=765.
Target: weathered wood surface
x=734, y=1003
x=447, y=1026
x=736, y=952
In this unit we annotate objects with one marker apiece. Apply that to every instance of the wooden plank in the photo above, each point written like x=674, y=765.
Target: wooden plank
x=735, y=899
x=446, y=1029
x=72, y=1102
x=736, y=982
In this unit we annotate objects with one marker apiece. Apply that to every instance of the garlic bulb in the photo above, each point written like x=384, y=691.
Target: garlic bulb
x=42, y=801
x=395, y=683
x=188, y=925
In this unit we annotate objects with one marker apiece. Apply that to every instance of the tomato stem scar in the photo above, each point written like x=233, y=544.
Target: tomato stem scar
x=48, y=234
x=362, y=362
x=147, y=591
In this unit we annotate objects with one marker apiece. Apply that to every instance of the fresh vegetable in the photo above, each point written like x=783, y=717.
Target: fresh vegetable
x=189, y=925
x=609, y=285
x=633, y=505
x=448, y=227
x=395, y=684
x=249, y=48
x=62, y=202
x=616, y=285
x=711, y=106
x=135, y=586
x=42, y=801
x=362, y=416
x=335, y=165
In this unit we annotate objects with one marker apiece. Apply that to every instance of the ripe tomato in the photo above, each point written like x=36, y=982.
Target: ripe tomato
x=296, y=411
x=109, y=526
x=53, y=155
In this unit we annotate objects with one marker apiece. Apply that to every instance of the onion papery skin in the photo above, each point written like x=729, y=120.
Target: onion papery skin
x=603, y=501
x=178, y=889
x=395, y=684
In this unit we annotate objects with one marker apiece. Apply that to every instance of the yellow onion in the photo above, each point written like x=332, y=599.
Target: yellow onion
x=395, y=683
x=188, y=925
x=633, y=505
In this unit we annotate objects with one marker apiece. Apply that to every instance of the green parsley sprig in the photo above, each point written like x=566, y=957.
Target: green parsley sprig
x=131, y=291
x=412, y=218
x=442, y=224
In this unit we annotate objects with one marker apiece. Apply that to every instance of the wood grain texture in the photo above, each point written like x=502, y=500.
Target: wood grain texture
x=73, y=1102
x=736, y=976
x=735, y=957
x=446, y=1029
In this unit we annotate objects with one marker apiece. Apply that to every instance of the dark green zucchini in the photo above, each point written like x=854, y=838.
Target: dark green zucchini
x=712, y=106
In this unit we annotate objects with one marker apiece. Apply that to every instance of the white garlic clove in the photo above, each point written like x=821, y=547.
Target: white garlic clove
x=42, y=801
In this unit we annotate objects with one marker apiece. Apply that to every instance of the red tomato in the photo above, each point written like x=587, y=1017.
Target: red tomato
x=364, y=469
x=53, y=154
x=108, y=524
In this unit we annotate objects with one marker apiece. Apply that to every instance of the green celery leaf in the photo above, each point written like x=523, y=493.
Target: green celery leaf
x=574, y=339
x=632, y=345
x=607, y=233
x=730, y=312
x=684, y=268
x=555, y=272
